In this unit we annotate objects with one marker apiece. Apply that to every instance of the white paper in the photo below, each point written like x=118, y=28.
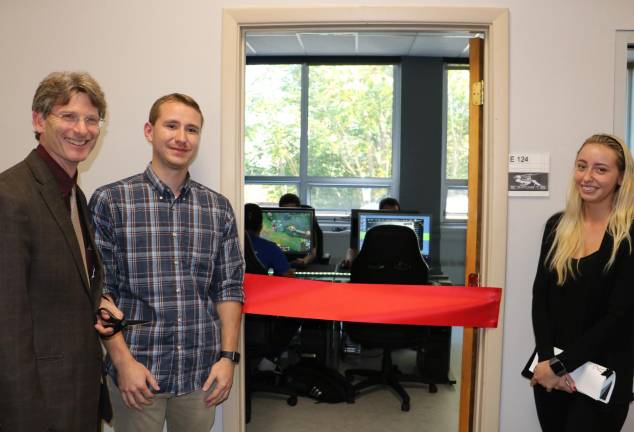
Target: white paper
x=589, y=379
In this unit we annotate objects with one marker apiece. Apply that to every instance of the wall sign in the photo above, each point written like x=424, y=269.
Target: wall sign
x=529, y=174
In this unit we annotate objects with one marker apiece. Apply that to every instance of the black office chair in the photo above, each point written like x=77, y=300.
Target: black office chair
x=265, y=336
x=390, y=255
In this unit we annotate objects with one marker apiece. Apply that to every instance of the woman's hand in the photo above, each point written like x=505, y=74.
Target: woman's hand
x=544, y=376
x=567, y=384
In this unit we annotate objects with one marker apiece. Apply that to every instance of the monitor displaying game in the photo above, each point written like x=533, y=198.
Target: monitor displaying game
x=354, y=223
x=419, y=223
x=289, y=228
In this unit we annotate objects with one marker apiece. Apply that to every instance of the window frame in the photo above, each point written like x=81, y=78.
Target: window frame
x=623, y=121
x=629, y=108
x=448, y=184
x=304, y=181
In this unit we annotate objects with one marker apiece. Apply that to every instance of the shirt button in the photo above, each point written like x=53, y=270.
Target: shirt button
x=178, y=290
x=178, y=348
x=175, y=263
x=173, y=234
x=160, y=197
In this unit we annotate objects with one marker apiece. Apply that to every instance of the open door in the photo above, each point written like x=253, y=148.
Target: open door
x=472, y=265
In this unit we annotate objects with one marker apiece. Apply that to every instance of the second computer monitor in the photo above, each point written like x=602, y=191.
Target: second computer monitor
x=289, y=228
x=419, y=223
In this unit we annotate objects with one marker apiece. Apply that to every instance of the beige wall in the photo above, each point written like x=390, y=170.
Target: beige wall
x=561, y=71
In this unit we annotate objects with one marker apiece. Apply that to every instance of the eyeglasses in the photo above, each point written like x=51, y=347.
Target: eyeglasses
x=72, y=119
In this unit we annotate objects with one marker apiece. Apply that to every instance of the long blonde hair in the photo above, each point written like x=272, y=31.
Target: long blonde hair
x=569, y=234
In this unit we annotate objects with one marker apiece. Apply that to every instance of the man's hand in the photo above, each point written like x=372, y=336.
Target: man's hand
x=107, y=304
x=300, y=262
x=133, y=379
x=222, y=374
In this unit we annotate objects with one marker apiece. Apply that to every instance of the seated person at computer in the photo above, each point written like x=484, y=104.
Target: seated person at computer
x=292, y=200
x=268, y=253
x=387, y=203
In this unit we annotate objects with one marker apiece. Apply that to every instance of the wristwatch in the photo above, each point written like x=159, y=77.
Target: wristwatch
x=557, y=366
x=231, y=355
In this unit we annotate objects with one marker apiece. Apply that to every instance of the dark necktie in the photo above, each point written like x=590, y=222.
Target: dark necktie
x=74, y=217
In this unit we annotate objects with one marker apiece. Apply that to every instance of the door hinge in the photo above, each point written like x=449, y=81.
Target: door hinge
x=477, y=93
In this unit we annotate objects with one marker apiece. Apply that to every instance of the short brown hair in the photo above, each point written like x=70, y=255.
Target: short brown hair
x=58, y=87
x=174, y=97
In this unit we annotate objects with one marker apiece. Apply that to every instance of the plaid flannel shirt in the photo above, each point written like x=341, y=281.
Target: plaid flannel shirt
x=169, y=260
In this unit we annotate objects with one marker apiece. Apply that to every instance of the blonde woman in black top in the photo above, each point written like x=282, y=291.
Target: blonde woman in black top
x=583, y=295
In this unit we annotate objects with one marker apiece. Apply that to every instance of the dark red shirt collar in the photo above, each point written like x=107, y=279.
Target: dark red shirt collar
x=64, y=182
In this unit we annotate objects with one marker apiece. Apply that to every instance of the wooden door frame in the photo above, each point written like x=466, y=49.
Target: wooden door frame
x=472, y=255
x=494, y=22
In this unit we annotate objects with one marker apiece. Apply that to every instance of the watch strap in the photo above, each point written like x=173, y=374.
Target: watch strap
x=234, y=356
x=557, y=366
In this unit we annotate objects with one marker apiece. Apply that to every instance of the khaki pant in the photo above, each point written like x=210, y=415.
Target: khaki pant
x=185, y=413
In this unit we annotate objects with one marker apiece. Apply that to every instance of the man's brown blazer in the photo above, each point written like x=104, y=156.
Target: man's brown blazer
x=50, y=356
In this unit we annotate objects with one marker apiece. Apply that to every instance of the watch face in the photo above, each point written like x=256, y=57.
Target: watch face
x=557, y=366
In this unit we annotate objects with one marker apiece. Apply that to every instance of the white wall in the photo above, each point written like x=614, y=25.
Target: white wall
x=561, y=71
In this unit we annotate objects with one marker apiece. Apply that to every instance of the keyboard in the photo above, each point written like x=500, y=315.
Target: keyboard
x=324, y=276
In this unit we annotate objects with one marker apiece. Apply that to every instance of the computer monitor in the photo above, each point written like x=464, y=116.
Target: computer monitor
x=289, y=228
x=419, y=223
x=354, y=222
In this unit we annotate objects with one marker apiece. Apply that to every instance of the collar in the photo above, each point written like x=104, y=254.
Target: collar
x=64, y=182
x=162, y=188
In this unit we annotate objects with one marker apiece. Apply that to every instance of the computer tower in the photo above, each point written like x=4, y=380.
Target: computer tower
x=433, y=359
x=313, y=340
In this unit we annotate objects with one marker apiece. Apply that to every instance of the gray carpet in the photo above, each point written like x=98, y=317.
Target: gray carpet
x=376, y=410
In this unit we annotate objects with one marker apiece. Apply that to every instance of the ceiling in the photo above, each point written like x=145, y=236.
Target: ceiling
x=357, y=43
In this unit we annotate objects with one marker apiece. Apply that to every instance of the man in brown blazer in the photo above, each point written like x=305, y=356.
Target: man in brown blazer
x=50, y=274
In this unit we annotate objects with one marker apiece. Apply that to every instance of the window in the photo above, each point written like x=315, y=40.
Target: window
x=456, y=137
x=272, y=120
x=321, y=131
x=331, y=197
x=268, y=194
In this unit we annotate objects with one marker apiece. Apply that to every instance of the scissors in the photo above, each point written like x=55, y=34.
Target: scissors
x=115, y=323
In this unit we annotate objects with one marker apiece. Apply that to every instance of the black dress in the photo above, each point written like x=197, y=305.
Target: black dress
x=591, y=318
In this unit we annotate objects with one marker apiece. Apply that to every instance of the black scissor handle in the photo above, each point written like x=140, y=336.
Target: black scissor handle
x=111, y=321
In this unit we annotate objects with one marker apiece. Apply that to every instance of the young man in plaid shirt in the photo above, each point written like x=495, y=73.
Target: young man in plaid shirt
x=172, y=257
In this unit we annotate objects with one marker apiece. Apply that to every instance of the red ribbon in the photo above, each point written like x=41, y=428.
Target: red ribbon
x=373, y=303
